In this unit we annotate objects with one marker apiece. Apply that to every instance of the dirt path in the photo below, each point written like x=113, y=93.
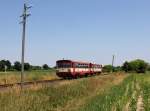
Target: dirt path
x=137, y=96
x=140, y=105
x=127, y=107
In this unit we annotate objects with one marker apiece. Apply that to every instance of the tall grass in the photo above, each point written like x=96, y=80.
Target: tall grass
x=143, y=80
x=146, y=95
x=54, y=98
x=113, y=99
x=46, y=99
x=145, y=87
x=13, y=77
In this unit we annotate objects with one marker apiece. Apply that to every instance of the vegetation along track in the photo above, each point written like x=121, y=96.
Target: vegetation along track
x=5, y=87
x=28, y=84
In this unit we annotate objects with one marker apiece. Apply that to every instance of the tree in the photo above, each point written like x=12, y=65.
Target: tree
x=142, y=66
x=45, y=67
x=8, y=64
x=17, y=66
x=27, y=66
x=107, y=68
x=2, y=66
x=126, y=66
x=4, y=63
x=139, y=66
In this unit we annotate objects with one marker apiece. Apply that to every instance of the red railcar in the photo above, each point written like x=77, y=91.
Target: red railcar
x=74, y=69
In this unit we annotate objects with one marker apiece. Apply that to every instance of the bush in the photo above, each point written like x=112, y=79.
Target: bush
x=117, y=69
x=36, y=67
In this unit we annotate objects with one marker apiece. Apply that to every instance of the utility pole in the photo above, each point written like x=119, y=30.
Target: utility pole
x=113, y=59
x=5, y=69
x=6, y=74
x=24, y=18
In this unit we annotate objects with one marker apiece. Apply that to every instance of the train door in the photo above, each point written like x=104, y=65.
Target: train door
x=73, y=68
x=91, y=68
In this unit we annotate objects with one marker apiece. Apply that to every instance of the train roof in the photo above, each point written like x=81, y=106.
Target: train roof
x=74, y=61
x=77, y=62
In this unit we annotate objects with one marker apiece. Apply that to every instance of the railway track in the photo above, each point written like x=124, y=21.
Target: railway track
x=27, y=84
x=6, y=87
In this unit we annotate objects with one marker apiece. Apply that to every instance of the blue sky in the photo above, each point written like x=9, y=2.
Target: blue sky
x=86, y=30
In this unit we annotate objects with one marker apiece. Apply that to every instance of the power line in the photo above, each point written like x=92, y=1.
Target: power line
x=24, y=18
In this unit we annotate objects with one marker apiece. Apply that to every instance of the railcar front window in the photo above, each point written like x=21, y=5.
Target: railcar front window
x=64, y=65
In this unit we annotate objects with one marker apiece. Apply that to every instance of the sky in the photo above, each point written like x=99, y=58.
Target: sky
x=84, y=30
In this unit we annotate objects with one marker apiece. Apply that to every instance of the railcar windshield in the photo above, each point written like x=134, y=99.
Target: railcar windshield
x=63, y=65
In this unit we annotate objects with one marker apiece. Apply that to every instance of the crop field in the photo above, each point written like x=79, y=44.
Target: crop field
x=14, y=77
x=112, y=92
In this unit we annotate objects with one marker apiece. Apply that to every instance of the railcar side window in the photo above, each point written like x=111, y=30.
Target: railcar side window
x=78, y=65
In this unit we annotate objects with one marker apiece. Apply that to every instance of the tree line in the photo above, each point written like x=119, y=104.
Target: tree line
x=16, y=66
x=138, y=66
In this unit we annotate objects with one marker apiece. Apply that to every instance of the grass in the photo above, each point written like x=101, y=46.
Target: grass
x=13, y=77
x=123, y=96
x=114, y=92
x=146, y=96
x=112, y=99
x=57, y=98
x=145, y=89
x=41, y=100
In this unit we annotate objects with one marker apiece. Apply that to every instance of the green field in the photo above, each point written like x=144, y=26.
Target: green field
x=113, y=92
